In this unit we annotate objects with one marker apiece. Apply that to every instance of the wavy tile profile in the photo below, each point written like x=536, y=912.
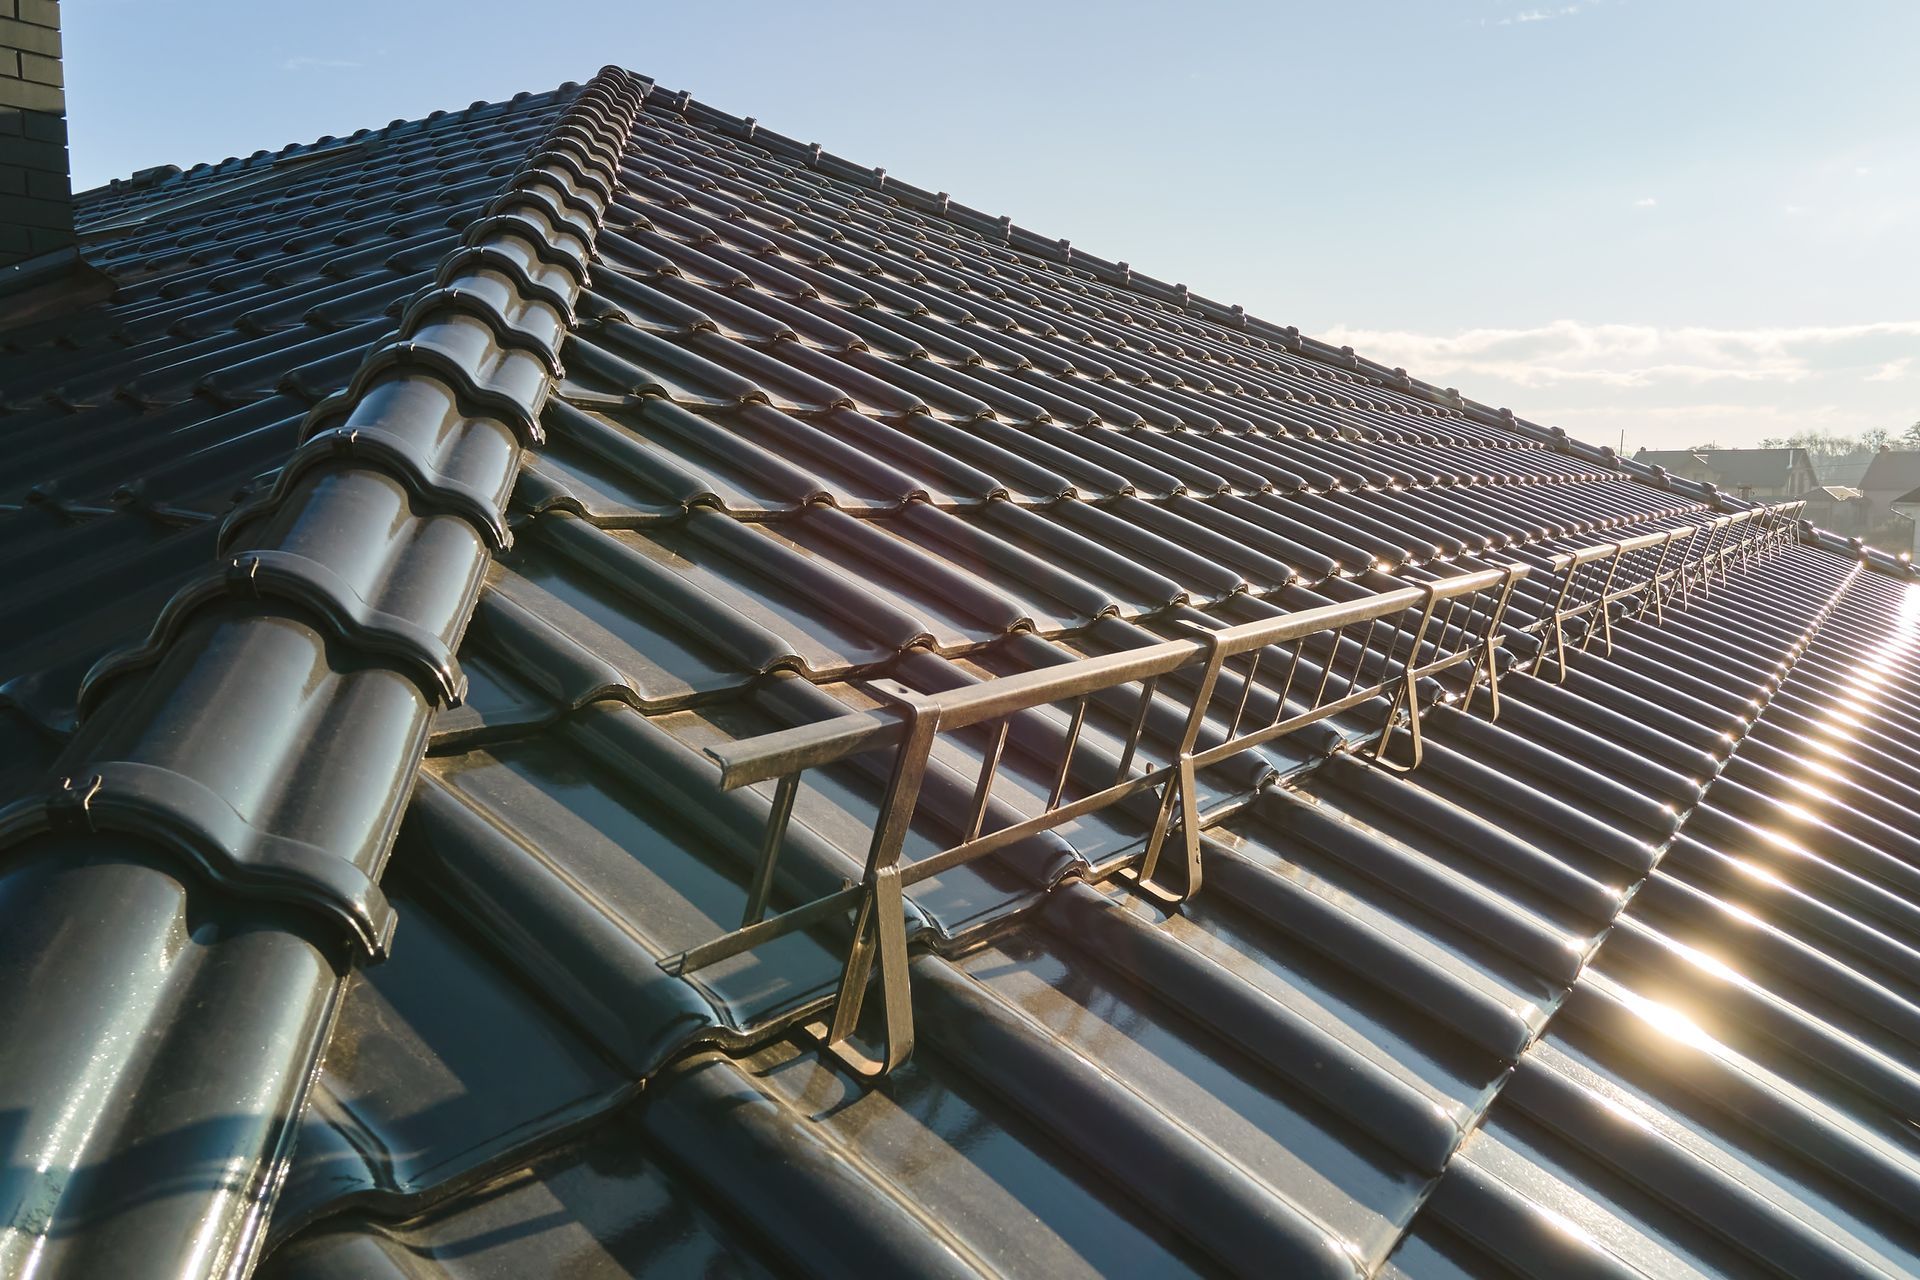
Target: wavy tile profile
x=447, y=496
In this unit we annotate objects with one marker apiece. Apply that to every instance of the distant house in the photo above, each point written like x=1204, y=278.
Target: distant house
x=1839, y=509
x=1906, y=521
x=1745, y=473
x=1893, y=474
x=1844, y=469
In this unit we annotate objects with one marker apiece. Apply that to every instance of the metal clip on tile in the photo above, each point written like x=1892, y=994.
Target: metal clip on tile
x=326, y=596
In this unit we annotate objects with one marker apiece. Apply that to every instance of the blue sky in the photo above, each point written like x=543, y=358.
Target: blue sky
x=1688, y=220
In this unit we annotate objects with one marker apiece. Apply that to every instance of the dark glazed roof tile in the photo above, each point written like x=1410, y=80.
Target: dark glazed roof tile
x=258, y=751
x=482, y=522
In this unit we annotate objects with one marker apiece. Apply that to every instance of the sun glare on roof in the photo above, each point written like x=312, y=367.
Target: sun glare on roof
x=1669, y=1021
x=1909, y=615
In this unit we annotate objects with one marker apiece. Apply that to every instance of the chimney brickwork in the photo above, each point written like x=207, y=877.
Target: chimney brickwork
x=36, y=201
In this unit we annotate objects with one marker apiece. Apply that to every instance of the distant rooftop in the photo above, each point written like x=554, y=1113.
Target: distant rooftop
x=1735, y=468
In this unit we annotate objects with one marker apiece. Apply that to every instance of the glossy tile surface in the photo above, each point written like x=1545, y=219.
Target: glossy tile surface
x=1624, y=982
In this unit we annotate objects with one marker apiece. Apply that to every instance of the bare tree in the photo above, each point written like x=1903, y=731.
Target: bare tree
x=1832, y=444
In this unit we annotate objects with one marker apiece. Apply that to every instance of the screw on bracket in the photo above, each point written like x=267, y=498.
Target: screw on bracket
x=245, y=571
x=71, y=802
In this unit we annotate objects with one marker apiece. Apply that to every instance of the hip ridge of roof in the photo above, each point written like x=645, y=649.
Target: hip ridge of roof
x=268, y=731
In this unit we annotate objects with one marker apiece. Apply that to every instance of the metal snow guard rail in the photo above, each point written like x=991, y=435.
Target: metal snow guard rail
x=1653, y=569
x=1334, y=658
x=1456, y=622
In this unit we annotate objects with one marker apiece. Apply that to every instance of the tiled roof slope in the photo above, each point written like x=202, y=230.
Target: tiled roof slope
x=1623, y=983
x=1892, y=469
x=187, y=883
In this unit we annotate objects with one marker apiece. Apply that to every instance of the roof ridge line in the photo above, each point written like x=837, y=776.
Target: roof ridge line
x=1021, y=240
x=270, y=744
x=1060, y=252
x=203, y=172
x=444, y=407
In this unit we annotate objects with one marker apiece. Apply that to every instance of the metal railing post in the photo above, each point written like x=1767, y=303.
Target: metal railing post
x=1559, y=643
x=1408, y=695
x=879, y=927
x=784, y=792
x=1654, y=599
x=1703, y=566
x=1490, y=641
x=1603, y=604
x=1180, y=783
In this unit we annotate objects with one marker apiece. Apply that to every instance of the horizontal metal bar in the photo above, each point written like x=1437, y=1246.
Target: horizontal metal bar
x=1711, y=553
x=804, y=746
x=1587, y=555
x=752, y=760
x=961, y=854
x=729, y=945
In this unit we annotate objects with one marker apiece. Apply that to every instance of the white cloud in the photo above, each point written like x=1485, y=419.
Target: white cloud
x=1667, y=425
x=320, y=64
x=1526, y=16
x=1691, y=416
x=1645, y=202
x=1629, y=356
x=1670, y=386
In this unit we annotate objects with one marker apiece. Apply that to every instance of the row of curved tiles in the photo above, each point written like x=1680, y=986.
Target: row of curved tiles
x=1300, y=1050
x=231, y=320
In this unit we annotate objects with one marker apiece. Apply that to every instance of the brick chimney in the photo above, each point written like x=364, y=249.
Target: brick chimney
x=36, y=201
